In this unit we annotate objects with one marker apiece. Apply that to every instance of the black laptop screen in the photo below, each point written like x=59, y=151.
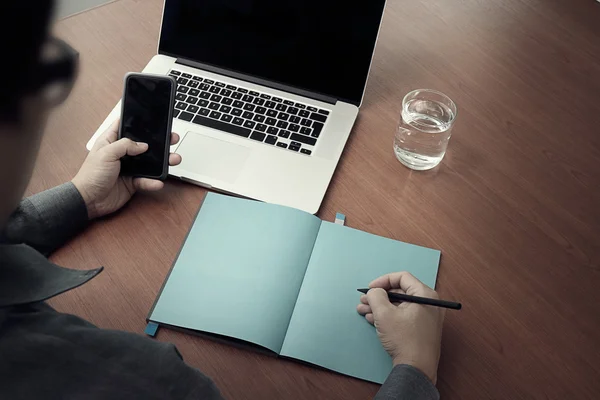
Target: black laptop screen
x=323, y=46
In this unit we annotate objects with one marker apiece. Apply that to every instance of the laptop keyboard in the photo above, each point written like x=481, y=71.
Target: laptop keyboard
x=257, y=116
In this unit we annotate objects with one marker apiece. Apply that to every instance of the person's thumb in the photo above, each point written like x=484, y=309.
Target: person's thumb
x=379, y=302
x=124, y=147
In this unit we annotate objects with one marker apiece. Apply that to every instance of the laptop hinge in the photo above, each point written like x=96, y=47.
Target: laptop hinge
x=258, y=81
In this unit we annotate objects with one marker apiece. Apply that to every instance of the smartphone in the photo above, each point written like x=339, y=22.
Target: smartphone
x=146, y=116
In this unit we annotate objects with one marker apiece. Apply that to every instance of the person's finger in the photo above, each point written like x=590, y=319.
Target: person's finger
x=123, y=147
x=369, y=317
x=363, y=299
x=378, y=301
x=174, y=138
x=174, y=159
x=148, y=185
x=109, y=136
x=364, y=309
x=401, y=280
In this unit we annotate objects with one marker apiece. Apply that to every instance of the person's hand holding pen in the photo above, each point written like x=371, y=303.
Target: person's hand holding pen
x=411, y=333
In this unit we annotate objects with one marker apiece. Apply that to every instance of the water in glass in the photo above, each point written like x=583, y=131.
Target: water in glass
x=425, y=129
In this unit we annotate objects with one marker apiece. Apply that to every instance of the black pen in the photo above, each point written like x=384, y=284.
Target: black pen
x=398, y=298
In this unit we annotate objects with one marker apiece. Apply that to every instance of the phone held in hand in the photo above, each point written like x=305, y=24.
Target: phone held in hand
x=146, y=116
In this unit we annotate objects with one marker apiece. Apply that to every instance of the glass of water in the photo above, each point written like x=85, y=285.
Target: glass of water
x=425, y=129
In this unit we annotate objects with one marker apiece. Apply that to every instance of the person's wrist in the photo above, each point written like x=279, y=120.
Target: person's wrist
x=430, y=373
x=87, y=198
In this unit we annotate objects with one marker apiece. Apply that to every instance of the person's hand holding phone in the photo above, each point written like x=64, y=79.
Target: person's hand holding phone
x=411, y=333
x=98, y=180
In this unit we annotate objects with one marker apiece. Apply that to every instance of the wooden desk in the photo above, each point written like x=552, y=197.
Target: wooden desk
x=514, y=207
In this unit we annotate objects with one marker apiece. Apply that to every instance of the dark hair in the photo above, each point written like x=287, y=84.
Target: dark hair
x=23, y=31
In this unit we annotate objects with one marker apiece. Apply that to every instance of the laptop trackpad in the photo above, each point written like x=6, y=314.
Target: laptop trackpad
x=213, y=158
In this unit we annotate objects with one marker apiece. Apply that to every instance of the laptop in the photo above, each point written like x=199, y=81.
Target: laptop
x=268, y=91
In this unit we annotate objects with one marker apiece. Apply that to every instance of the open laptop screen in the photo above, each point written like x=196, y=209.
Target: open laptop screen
x=324, y=46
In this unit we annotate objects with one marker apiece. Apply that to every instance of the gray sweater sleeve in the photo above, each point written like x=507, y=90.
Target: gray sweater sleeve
x=407, y=383
x=47, y=220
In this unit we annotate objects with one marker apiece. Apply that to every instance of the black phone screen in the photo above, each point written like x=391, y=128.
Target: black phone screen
x=146, y=118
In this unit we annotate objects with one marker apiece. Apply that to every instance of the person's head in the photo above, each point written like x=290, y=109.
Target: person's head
x=36, y=73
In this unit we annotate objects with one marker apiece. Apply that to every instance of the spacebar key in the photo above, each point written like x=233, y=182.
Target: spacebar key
x=222, y=126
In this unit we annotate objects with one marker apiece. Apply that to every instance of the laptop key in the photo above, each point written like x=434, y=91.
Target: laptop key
x=313, y=109
x=236, y=111
x=203, y=103
x=242, y=90
x=204, y=112
x=261, y=127
x=271, y=139
x=294, y=127
x=272, y=130
x=283, y=116
x=186, y=75
x=292, y=110
x=249, y=124
x=248, y=115
x=183, y=89
x=281, y=107
x=231, y=87
x=204, y=86
x=305, y=131
x=193, y=109
x=226, y=92
x=324, y=112
x=253, y=93
x=258, y=136
x=292, y=143
x=209, y=81
x=197, y=78
x=247, y=98
x=238, y=104
x=294, y=119
x=304, y=139
x=225, y=108
x=282, y=145
x=227, y=101
x=259, y=118
x=176, y=113
x=265, y=96
x=271, y=113
x=182, y=81
x=193, y=84
x=260, y=110
x=282, y=124
x=277, y=99
x=181, y=106
x=237, y=95
x=293, y=148
x=194, y=92
x=180, y=97
x=220, y=84
x=215, y=97
x=317, y=128
x=300, y=106
x=175, y=72
x=289, y=103
x=270, y=104
x=214, y=89
x=204, y=95
x=284, y=134
x=258, y=101
x=306, y=122
x=226, y=118
x=303, y=113
x=249, y=107
x=306, y=151
x=186, y=116
x=215, y=115
x=214, y=106
x=271, y=121
x=318, y=117
x=238, y=121
x=192, y=100
x=222, y=126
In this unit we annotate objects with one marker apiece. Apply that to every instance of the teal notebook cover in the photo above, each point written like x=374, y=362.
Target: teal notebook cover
x=283, y=279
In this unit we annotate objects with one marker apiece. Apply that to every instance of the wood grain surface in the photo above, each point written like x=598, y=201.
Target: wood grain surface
x=514, y=206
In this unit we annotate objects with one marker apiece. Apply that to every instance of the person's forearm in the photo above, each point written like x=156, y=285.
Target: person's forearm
x=406, y=382
x=47, y=220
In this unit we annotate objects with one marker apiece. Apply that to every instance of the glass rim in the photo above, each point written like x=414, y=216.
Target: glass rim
x=451, y=103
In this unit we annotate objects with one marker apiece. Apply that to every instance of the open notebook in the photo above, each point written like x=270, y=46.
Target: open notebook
x=283, y=279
